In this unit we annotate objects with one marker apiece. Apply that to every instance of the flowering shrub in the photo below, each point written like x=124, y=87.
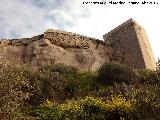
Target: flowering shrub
x=14, y=90
x=91, y=109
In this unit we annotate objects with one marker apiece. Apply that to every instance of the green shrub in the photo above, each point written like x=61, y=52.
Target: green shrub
x=44, y=113
x=52, y=82
x=88, y=109
x=20, y=87
x=145, y=97
x=14, y=90
x=47, y=85
x=81, y=83
x=147, y=76
x=147, y=101
x=115, y=72
x=60, y=68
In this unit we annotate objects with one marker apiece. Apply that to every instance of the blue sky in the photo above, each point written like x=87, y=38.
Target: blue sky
x=25, y=18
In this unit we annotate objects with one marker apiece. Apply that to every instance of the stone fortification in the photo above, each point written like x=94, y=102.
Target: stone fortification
x=126, y=44
x=130, y=45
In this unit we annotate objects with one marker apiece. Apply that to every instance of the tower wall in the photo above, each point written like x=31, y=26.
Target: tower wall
x=129, y=45
x=147, y=53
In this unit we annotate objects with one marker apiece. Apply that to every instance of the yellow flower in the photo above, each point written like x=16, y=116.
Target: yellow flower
x=48, y=103
x=119, y=102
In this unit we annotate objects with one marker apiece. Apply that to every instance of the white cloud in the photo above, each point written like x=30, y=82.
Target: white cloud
x=21, y=18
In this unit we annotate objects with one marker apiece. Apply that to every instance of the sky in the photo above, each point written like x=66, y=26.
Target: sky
x=27, y=18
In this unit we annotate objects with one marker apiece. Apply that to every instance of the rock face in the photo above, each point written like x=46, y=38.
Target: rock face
x=126, y=44
x=56, y=47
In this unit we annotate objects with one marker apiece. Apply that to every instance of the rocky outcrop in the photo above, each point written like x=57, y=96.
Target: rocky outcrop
x=56, y=47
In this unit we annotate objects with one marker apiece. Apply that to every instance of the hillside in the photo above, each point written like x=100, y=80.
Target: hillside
x=61, y=92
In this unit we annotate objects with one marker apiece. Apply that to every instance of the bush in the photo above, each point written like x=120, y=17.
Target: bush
x=88, y=109
x=81, y=83
x=147, y=101
x=44, y=113
x=52, y=85
x=60, y=68
x=14, y=90
x=145, y=97
x=20, y=87
x=47, y=85
x=115, y=72
x=147, y=76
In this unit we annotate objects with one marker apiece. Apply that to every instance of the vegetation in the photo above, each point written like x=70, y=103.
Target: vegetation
x=158, y=62
x=60, y=92
x=115, y=72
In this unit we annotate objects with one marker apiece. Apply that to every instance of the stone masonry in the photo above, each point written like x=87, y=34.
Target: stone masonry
x=130, y=45
x=126, y=44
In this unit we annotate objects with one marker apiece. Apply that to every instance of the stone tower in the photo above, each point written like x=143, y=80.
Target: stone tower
x=129, y=45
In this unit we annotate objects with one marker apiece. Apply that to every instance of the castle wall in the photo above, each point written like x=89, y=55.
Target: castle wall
x=129, y=45
x=147, y=52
